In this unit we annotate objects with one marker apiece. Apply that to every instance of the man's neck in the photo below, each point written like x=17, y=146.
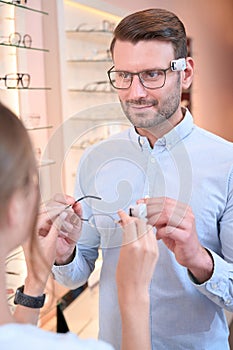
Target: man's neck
x=155, y=133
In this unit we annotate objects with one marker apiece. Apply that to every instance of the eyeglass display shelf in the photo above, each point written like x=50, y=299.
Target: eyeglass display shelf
x=46, y=162
x=39, y=127
x=24, y=7
x=29, y=88
x=96, y=117
x=92, y=91
x=80, y=60
x=88, y=143
x=23, y=47
x=73, y=31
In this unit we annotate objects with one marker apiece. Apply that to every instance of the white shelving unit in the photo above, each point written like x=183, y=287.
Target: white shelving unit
x=28, y=102
x=91, y=104
x=32, y=104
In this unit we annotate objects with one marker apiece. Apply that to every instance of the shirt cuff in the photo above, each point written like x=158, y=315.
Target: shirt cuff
x=218, y=284
x=67, y=267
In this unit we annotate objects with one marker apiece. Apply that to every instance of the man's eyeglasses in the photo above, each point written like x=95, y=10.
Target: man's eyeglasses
x=16, y=80
x=150, y=78
x=15, y=39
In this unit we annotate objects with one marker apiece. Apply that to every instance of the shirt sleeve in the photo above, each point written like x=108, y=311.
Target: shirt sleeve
x=77, y=272
x=219, y=288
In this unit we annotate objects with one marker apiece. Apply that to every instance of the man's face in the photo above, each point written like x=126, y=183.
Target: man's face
x=146, y=108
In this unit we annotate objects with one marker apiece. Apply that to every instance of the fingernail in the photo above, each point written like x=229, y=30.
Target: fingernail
x=63, y=215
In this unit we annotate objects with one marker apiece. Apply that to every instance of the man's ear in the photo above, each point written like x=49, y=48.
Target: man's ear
x=187, y=76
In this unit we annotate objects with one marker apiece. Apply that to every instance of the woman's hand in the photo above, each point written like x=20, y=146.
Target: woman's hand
x=138, y=254
x=137, y=260
x=40, y=252
x=58, y=229
x=70, y=230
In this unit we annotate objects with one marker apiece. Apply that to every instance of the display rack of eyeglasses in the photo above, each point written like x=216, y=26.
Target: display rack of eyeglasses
x=95, y=55
x=98, y=91
x=22, y=80
x=31, y=128
x=91, y=31
x=24, y=47
x=17, y=40
x=95, y=87
x=80, y=60
x=19, y=81
x=105, y=27
x=17, y=44
x=18, y=4
x=46, y=162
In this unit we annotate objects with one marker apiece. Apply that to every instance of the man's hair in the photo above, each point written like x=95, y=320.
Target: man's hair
x=152, y=24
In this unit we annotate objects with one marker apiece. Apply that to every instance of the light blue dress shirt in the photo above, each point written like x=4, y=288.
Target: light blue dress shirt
x=193, y=166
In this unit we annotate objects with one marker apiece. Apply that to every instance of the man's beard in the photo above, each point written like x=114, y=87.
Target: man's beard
x=157, y=115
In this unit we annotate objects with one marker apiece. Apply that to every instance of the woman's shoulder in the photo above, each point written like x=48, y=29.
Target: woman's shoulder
x=23, y=337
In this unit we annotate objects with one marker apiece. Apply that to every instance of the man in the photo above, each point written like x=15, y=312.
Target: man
x=183, y=174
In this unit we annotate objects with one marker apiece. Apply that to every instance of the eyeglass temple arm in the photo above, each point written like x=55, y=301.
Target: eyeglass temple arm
x=81, y=198
x=87, y=196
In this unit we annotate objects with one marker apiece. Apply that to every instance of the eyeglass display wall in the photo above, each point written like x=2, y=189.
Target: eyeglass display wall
x=91, y=103
x=26, y=90
x=22, y=76
x=88, y=35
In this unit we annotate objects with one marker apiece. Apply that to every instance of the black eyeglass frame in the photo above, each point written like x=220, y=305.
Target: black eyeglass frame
x=18, y=1
x=26, y=44
x=82, y=198
x=19, y=79
x=88, y=220
x=139, y=76
x=175, y=65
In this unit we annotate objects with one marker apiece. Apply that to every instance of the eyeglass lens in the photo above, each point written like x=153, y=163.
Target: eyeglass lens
x=151, y=79
x=99, y=221
x=27, y=40
x=102, y=221
x=15, y=39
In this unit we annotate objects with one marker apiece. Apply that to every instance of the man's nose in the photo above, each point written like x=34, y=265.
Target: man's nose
x=136, y=89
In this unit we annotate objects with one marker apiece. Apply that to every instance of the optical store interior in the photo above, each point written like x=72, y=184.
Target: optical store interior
x=58, y=53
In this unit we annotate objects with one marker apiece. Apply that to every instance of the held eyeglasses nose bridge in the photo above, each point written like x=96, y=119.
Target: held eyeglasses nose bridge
x=100, y=221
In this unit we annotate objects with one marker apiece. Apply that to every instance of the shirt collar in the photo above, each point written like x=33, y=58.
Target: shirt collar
x=169, y=140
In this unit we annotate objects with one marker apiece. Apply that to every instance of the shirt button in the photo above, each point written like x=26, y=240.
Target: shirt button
x=228, y=301
x=214, y=286
x=152, y=160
